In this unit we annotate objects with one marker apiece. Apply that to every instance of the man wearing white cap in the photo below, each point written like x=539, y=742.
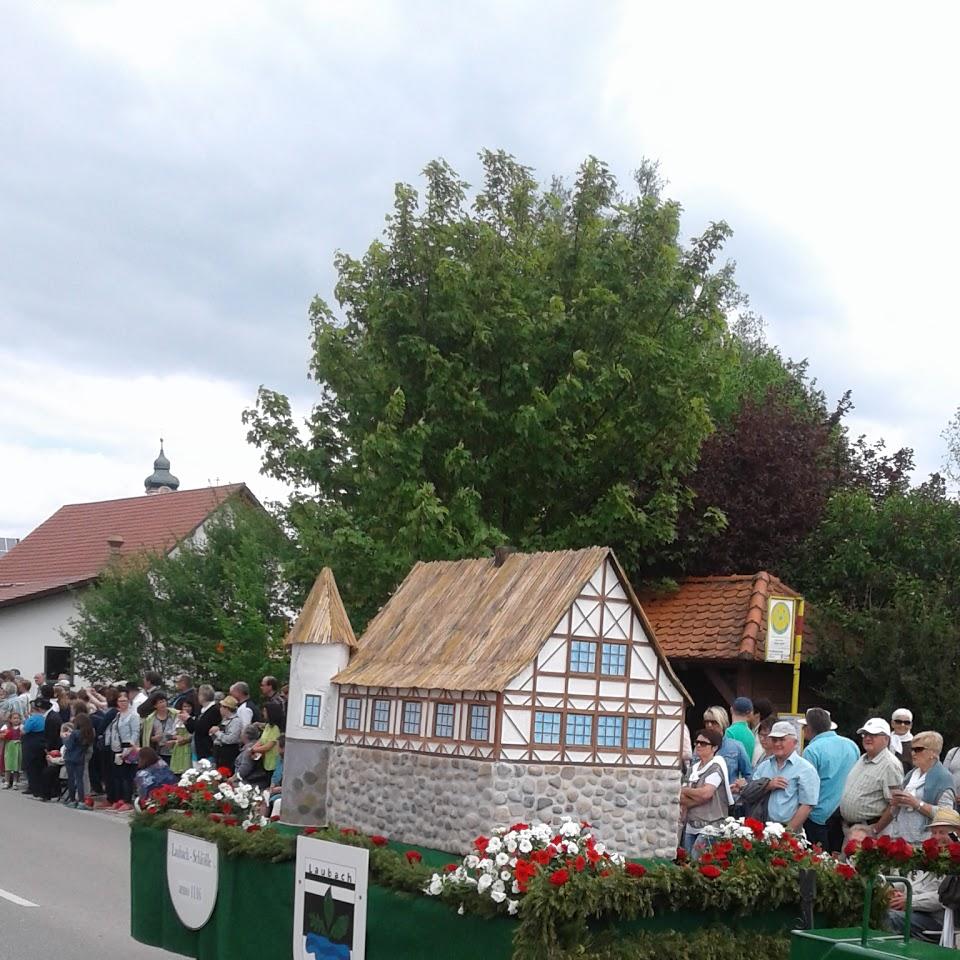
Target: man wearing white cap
x=902, y=737
x=867, y=792
x=927, y=908
x=794, y=786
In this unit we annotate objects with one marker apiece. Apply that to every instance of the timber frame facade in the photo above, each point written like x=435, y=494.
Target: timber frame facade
x=598, y=692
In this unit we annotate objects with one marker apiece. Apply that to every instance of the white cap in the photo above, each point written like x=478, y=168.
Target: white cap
x=782, y=728
x=876, y=725
x=902, y=713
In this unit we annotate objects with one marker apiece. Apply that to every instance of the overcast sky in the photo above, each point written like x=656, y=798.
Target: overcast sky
x=175, y=179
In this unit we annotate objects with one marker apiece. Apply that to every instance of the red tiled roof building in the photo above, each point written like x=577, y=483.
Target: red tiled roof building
x=713, y=629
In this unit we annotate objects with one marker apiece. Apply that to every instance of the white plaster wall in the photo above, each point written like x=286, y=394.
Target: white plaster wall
x=26, y=628
x=311, y=667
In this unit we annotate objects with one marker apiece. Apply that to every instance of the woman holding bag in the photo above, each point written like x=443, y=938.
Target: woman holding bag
x=121, y=740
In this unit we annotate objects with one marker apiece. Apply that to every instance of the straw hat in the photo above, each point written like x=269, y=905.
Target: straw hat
x=945, y=817
x=229, y=702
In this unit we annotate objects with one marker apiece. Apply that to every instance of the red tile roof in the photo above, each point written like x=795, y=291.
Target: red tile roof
x=71, y=547
x=715, y=618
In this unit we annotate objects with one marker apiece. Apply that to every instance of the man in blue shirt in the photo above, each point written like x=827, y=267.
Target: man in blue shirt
x=833, y=758
x=794, y=786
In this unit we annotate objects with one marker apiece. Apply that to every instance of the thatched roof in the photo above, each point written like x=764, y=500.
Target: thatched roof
x=471, y=625
x=323, y=618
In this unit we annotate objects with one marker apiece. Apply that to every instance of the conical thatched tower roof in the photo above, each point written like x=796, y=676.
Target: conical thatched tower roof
x=323, y=618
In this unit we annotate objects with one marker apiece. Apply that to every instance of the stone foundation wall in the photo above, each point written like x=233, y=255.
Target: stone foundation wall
x=444, y=802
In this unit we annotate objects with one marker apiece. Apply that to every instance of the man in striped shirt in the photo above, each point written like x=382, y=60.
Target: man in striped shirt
x=866, y=794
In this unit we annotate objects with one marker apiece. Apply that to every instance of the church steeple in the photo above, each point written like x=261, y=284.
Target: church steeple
x=161, y=480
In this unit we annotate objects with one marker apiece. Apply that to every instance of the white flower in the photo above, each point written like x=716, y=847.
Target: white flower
x=471, y=861
x=511, y=846
x=494, y=844
x=569, y=829
x=484, y=882
x=525, y=846
x=498, y=896
x=436, y=885
x=486, y=864
x=498, y=886
x=512, y=906
x=515, y=888
x=460, y=911
x=504, y=875
x=572, y=849
x=502, y=858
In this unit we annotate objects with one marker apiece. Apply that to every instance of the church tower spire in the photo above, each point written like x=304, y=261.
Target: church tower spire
x=161, y=480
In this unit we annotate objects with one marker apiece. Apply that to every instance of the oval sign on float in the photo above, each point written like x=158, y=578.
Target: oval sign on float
x=192, y=870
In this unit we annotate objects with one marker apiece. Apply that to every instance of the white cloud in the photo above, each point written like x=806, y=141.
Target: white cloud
x=71, y=437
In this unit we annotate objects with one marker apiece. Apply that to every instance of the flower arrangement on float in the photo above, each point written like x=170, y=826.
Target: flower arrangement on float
x=884, y=853
x=502, y=865
x=209, y=791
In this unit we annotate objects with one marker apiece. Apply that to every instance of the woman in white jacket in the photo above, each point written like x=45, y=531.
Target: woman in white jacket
x=121, y=737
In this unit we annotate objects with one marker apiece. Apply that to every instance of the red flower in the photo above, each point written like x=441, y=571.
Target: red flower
x=348, y=832
x=451, y=867
x=868, y=843
x=559, y=877
x=309, y=831
x=711, y=871
x=253, y=828
x=851, y=847
x=778, y=862
x=846, y=871
x=207, y=795
x=541, y=857
x=188, y=813
x=580, y=864
x=275, y=818
x=584, y=825
x=225, y=807
x=592, y=854
x=755, y=825
x=517, y=827
x=953, y=849
x=215, y=817
x=413, y=856
x=523, y=872
x=230, y=821
x=931, y=848
x=634, y=869
x=604, y=873
x=681, y=855
x=225, y=772
x=152, y=810
x=378, y=841
x=747, y=845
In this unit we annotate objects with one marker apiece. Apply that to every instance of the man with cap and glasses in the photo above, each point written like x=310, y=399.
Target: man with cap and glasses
x=901, y=738
x=833, y=757
x=872, y=779
x=794, y=786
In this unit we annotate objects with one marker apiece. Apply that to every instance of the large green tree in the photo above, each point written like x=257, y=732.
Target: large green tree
x=883, y=578
x=528, y=365
x=216, y=607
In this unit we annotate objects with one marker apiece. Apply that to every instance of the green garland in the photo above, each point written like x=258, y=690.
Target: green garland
x=715, y=943
x=554, y=920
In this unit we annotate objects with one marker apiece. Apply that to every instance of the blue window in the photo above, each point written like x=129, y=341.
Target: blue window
x=613, y=659
x=579, y=729
x=479, y=722
x=610, y=732
x=351, y=714
x=311, y=710
x=381, y=716
x=583, y=656
x=546, y=727
x=443, y=720
x=411, y=717
x=638, y=733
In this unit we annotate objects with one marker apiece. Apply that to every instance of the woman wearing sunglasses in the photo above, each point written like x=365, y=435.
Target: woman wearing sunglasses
x=706, y=798
x=927, y=786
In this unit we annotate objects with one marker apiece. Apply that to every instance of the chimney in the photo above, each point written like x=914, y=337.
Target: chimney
x=114, y=543
x=500, y=555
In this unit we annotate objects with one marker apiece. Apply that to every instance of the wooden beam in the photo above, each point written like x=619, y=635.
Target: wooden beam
x=720, y=682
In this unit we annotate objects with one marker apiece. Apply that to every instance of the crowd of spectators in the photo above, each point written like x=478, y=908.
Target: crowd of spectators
x=831, y=789
x=108, y=745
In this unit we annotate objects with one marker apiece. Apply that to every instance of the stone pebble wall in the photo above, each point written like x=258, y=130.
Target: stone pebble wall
x=444, y=802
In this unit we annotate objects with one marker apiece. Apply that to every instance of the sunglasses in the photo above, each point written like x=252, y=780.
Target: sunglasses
x=703, y=743
x=903, y=721
x=918, y=749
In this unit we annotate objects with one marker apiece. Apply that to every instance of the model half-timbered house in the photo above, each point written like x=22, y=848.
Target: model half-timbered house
x=516, y=666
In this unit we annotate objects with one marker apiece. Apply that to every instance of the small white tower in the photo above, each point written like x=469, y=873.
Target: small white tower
x=320, y=644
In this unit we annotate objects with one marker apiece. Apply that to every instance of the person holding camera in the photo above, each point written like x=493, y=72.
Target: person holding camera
x=926, y=787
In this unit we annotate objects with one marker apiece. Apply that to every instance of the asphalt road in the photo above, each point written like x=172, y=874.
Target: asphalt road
x=65, y=884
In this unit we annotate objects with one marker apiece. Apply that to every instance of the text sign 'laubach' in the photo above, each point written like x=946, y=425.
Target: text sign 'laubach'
x=330, y=901
x=192, y=873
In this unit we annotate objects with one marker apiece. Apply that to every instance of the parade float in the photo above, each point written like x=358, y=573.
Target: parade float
x=492, y=770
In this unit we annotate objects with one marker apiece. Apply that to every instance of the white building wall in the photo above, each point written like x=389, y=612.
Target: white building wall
x=311, y=667
x=26, y=628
